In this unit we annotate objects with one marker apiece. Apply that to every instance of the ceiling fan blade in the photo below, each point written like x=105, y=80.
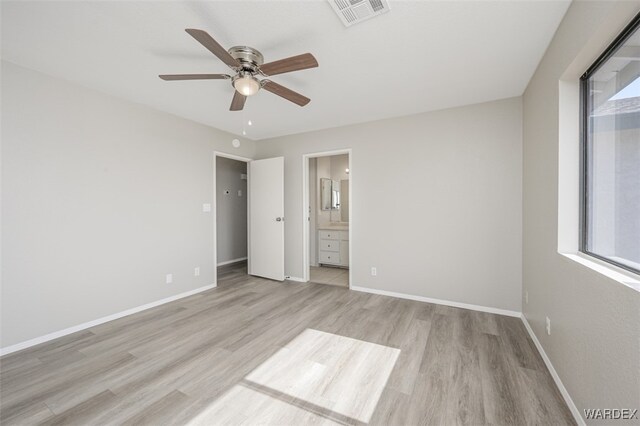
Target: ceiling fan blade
x=171, y=77
x=237, y=103
x=207, y=41
x=283, y=92
x=294, y=63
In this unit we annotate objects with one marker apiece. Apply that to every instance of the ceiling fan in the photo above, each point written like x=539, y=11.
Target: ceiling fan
x=247, y=63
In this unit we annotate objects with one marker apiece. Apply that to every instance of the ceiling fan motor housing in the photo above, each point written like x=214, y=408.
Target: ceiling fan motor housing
x=250, y=59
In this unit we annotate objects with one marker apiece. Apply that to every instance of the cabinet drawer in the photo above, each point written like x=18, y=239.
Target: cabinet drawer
x=329, y=235
x=329, y=245
x=329, y=257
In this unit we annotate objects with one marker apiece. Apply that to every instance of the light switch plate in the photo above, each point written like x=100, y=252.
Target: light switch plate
x=206, y=207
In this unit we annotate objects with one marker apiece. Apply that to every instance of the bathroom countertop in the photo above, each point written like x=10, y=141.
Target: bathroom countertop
x=333, y=228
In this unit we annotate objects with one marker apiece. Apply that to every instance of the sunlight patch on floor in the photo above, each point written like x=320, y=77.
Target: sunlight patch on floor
x=317, y=378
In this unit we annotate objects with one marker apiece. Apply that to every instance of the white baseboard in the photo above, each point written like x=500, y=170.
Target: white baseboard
x=84, y=326
x=554, y=374
x=229, y=262
x=297, y=279
x=438, y=301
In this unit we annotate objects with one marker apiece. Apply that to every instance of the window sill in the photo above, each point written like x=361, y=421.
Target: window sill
x=620, y=275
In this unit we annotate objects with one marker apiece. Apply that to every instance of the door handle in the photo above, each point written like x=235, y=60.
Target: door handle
x=279, y=219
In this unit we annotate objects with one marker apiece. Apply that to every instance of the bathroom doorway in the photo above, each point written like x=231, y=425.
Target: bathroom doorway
x=327, y=201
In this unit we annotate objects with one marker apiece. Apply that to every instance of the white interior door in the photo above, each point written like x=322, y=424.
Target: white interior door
x=266, y=218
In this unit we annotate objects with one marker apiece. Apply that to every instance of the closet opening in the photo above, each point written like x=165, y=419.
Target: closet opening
x=230, y=211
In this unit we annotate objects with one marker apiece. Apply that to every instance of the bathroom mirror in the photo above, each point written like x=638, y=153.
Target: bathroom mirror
x=335, y=195
x=325, y=194
x=329, y=194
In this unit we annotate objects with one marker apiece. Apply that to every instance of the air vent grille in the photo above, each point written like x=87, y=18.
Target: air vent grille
x=376, y=5
x=349, y=16
x=352, y=12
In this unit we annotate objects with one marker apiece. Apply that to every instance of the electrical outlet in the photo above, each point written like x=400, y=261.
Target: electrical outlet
x=196, y=271
x=239, y=192
x=526, y=297
x=548, y=326
x=374, y=271
x=169, y=278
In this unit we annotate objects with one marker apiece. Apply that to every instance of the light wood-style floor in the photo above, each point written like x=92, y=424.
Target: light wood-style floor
x=329, y=275
x=254, y=350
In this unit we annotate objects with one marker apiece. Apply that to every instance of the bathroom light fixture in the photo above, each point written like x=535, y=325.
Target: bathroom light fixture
x=346, y=171
x=246, y=84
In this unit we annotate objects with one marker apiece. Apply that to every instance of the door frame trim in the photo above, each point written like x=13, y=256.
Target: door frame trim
x=305, y=209
x=214, y=205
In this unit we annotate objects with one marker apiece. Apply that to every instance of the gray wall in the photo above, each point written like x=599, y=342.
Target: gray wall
x=436, y=202
x=100, y=199
x=595, y=340
x=232, y=209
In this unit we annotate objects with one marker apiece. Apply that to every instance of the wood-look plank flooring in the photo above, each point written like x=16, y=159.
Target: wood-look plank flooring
x=177, y=363
x=329, y=275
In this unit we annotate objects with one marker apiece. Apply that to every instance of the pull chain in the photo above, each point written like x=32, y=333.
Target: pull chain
x=244, y=129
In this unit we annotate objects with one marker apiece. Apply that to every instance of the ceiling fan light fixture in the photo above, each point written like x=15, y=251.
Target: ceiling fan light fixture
x=246, y=84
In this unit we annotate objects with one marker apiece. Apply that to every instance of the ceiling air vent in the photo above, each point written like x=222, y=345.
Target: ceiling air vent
x=353, y=11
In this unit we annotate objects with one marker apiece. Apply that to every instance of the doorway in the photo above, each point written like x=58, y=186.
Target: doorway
x=231, y=217
x=327, y=196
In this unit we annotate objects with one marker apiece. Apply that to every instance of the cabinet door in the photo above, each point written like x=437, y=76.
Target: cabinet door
x=344, y=253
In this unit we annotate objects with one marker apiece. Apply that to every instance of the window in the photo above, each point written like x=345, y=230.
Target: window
x=610, y=200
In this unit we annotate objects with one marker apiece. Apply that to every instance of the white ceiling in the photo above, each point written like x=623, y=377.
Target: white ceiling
x=421, y=56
